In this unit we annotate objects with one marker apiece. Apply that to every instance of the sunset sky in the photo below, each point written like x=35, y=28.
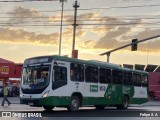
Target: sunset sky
x=31, y=28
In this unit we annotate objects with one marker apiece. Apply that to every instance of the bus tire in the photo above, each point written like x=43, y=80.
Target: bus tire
x=48, y=108
x=125, y=103
x=74, y=104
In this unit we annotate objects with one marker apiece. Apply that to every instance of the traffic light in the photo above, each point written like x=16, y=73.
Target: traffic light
x=134, y=45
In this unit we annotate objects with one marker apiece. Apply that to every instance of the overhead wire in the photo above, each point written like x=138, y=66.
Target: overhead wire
x=7, y=1
x=94, y=19
x=83, y=9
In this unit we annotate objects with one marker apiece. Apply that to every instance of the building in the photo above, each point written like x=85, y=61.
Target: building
x=10, y=72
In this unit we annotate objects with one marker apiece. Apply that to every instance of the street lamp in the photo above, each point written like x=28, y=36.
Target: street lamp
x=60, y=37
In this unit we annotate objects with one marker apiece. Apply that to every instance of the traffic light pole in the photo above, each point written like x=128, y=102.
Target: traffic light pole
x=143, y=40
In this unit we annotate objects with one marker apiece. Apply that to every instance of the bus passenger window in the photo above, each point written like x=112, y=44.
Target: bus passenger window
x=73, y=77
x=60, y=73
x=91, y=74
x=117, y=77
x=60, y=77
x=77, y=72
x=137, y=79
x=129, y=82
x=144, y=80
x=127, y=77
x=104, y=75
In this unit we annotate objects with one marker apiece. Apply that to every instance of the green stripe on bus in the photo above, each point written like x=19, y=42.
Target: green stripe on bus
x=55, y=101
x=138, y=100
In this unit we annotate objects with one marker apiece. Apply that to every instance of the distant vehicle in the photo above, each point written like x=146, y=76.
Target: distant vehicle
x=14, y=90
x=73, y=83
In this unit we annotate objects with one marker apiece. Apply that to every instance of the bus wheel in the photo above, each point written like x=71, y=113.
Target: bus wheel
x=74, y=104
x=48, y=108
x=124, y=104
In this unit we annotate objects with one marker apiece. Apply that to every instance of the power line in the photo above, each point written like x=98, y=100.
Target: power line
x=84, y=24
x=138, y=6
x=85, y=19
x=12, y=1
x=132, y=23
x=83, y=9
x=5, y=1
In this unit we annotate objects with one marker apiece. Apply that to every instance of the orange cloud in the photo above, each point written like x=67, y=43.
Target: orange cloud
x=22, y=36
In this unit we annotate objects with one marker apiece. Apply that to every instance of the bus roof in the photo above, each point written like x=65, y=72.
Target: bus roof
x=46, y=59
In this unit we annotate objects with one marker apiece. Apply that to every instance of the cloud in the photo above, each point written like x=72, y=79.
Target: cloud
x=22, y=36
x=133, y=0
x=116, y=31
x=105, y=21
x=109, y=41
x=69, y=19
x=152, y=45
x=21, y=15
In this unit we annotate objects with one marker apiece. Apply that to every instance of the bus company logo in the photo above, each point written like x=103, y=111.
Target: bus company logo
x=21, y=114
x=6, y=114
x=93, y=88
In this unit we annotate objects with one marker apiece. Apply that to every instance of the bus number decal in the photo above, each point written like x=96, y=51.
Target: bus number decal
x=102, y=88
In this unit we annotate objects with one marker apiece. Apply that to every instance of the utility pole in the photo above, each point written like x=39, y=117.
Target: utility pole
x=60, y=35
x=76, y=5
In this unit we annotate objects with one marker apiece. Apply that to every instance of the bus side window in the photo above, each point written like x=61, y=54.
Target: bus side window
x=136, y=79
x=91, y=74
x=77, y=72
x=108, y=73
x=60, y=73
x=104, y=75
x=95, y=74
x=60, y=77
x=117, y=77
x=127, y=77
x=144, y=81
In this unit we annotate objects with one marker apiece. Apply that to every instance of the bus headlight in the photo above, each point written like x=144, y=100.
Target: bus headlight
x=45, y=94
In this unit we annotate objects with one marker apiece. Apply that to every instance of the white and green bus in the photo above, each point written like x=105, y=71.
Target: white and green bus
x=57, y=81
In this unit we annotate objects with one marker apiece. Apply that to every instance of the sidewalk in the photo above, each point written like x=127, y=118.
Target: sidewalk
x=13, y=100
x=151, y=103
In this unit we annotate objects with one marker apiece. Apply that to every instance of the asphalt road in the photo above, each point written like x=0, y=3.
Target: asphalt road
x=86, y=113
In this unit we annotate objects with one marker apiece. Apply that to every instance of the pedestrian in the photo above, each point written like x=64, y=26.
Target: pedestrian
x=5, y=93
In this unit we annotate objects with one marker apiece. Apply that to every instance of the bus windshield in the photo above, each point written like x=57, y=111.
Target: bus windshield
x=35, y=77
